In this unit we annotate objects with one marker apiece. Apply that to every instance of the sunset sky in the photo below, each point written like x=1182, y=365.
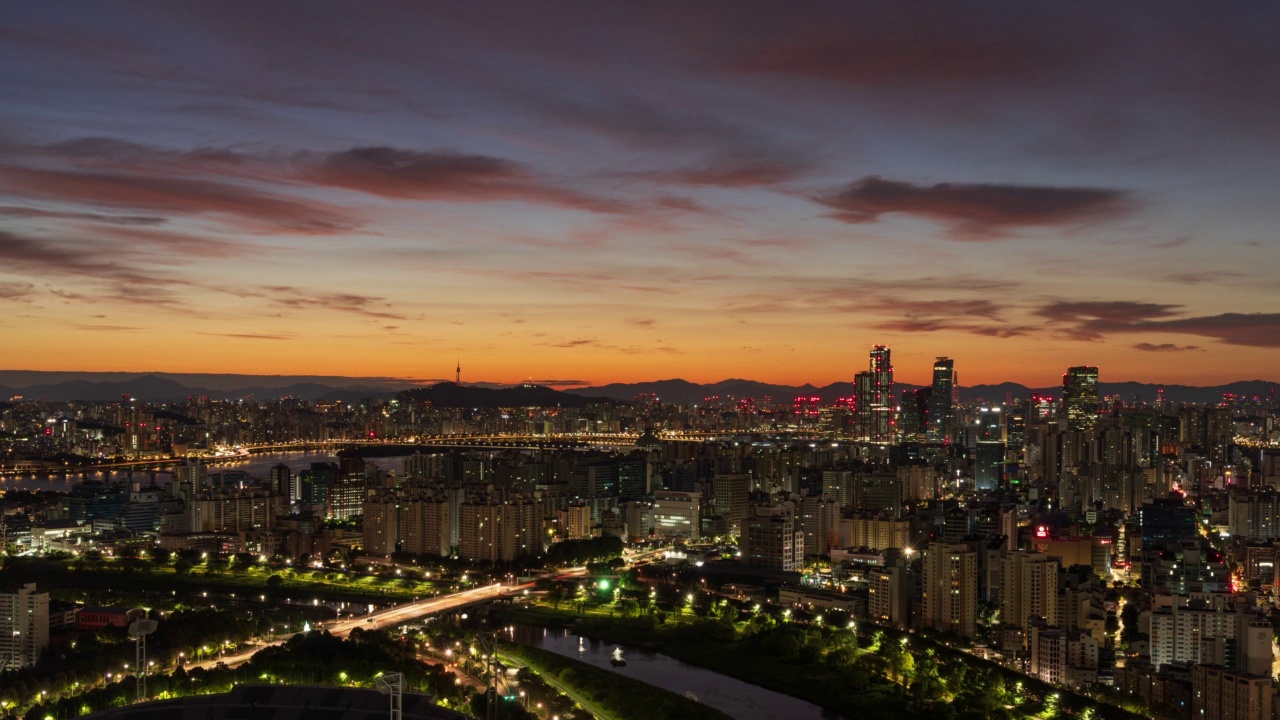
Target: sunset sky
x=592, y=192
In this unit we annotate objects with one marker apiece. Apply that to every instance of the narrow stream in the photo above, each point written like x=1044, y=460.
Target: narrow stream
x=733, y=697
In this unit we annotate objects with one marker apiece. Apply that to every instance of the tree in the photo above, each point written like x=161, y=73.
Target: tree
x=557, y=594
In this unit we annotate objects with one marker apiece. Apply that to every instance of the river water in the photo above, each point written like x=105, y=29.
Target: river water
x=728, y=695
x=257, y=466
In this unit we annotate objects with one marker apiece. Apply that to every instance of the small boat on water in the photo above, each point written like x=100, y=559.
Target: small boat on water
x=617, y=660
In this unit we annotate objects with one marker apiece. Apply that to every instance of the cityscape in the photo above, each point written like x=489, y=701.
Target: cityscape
x=565, y=361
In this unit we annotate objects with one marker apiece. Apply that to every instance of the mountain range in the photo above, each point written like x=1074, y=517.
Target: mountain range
x=447, y=394
x=175, y=387
x=685, y=392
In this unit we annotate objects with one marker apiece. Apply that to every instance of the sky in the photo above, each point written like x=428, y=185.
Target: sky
x=586, y=192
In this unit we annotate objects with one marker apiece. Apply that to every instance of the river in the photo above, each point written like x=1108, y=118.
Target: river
x=257, y=466
x=728, y=695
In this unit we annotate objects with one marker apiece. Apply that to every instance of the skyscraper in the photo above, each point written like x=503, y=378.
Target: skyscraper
x=863, y=398
x=1080, y=398
x=989, y=471
x=939, y=416
x=874, y=403
x=884, y=426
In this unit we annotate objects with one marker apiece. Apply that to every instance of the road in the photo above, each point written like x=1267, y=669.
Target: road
x=382, y=618
x=393, y=616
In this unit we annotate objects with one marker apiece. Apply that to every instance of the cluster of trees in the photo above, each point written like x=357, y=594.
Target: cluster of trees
x=313, y=658
x=67, y=668
x=819, y=656
x=581, y=552
x=617, y=694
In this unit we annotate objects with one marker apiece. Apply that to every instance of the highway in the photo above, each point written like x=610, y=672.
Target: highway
x=382, y=618
x=391, y=616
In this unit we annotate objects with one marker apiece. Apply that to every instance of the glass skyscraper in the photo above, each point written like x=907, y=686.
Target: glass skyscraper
x=1080, y=398
x=938, y=425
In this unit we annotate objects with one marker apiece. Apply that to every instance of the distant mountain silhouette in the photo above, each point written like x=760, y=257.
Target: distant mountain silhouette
x=452, y=395
x=685, y=392
x=175, y=387
x=153, y=388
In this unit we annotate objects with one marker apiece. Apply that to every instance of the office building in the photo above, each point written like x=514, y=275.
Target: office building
x=1080, y=398
x=771, y=540
x=677, y=515
x=1166, y=523
x=938, y=416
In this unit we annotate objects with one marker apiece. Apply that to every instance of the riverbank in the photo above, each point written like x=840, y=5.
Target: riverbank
x=878, y=673
x=696, y=643
x=609, y=694
x=142, y=576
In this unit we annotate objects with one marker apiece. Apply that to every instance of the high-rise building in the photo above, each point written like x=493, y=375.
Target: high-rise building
x=1166, y=522
x=1028, y=588
x=1080, y=398
x=820, y=522
x=192, y=472
x=1218, y=693
x=426, y=527
x=348, y=491
x=730, y=495
x=878, y=533
x=677, y=515
x=938, y=420
x=883, y=405
x=909, y=425
x=594, y=477
x=380, y=525
x=770, y=539
x=989, y=470
x=863, y=396
x=633, y=478
x=483, y=531
x=949, y=595
x=24, y=626
x=874, y=405
x=231, y=511
x=575, y=521
x=1254, y=515
x=282, y=482
x=889, y=595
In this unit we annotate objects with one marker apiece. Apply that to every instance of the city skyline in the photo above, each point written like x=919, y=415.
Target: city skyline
x=610, y=194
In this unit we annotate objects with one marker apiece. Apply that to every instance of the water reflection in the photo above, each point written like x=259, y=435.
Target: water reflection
x=733, y=697
x=256, y=466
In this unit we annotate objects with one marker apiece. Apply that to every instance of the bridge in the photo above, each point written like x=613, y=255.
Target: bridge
x=577, y=441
